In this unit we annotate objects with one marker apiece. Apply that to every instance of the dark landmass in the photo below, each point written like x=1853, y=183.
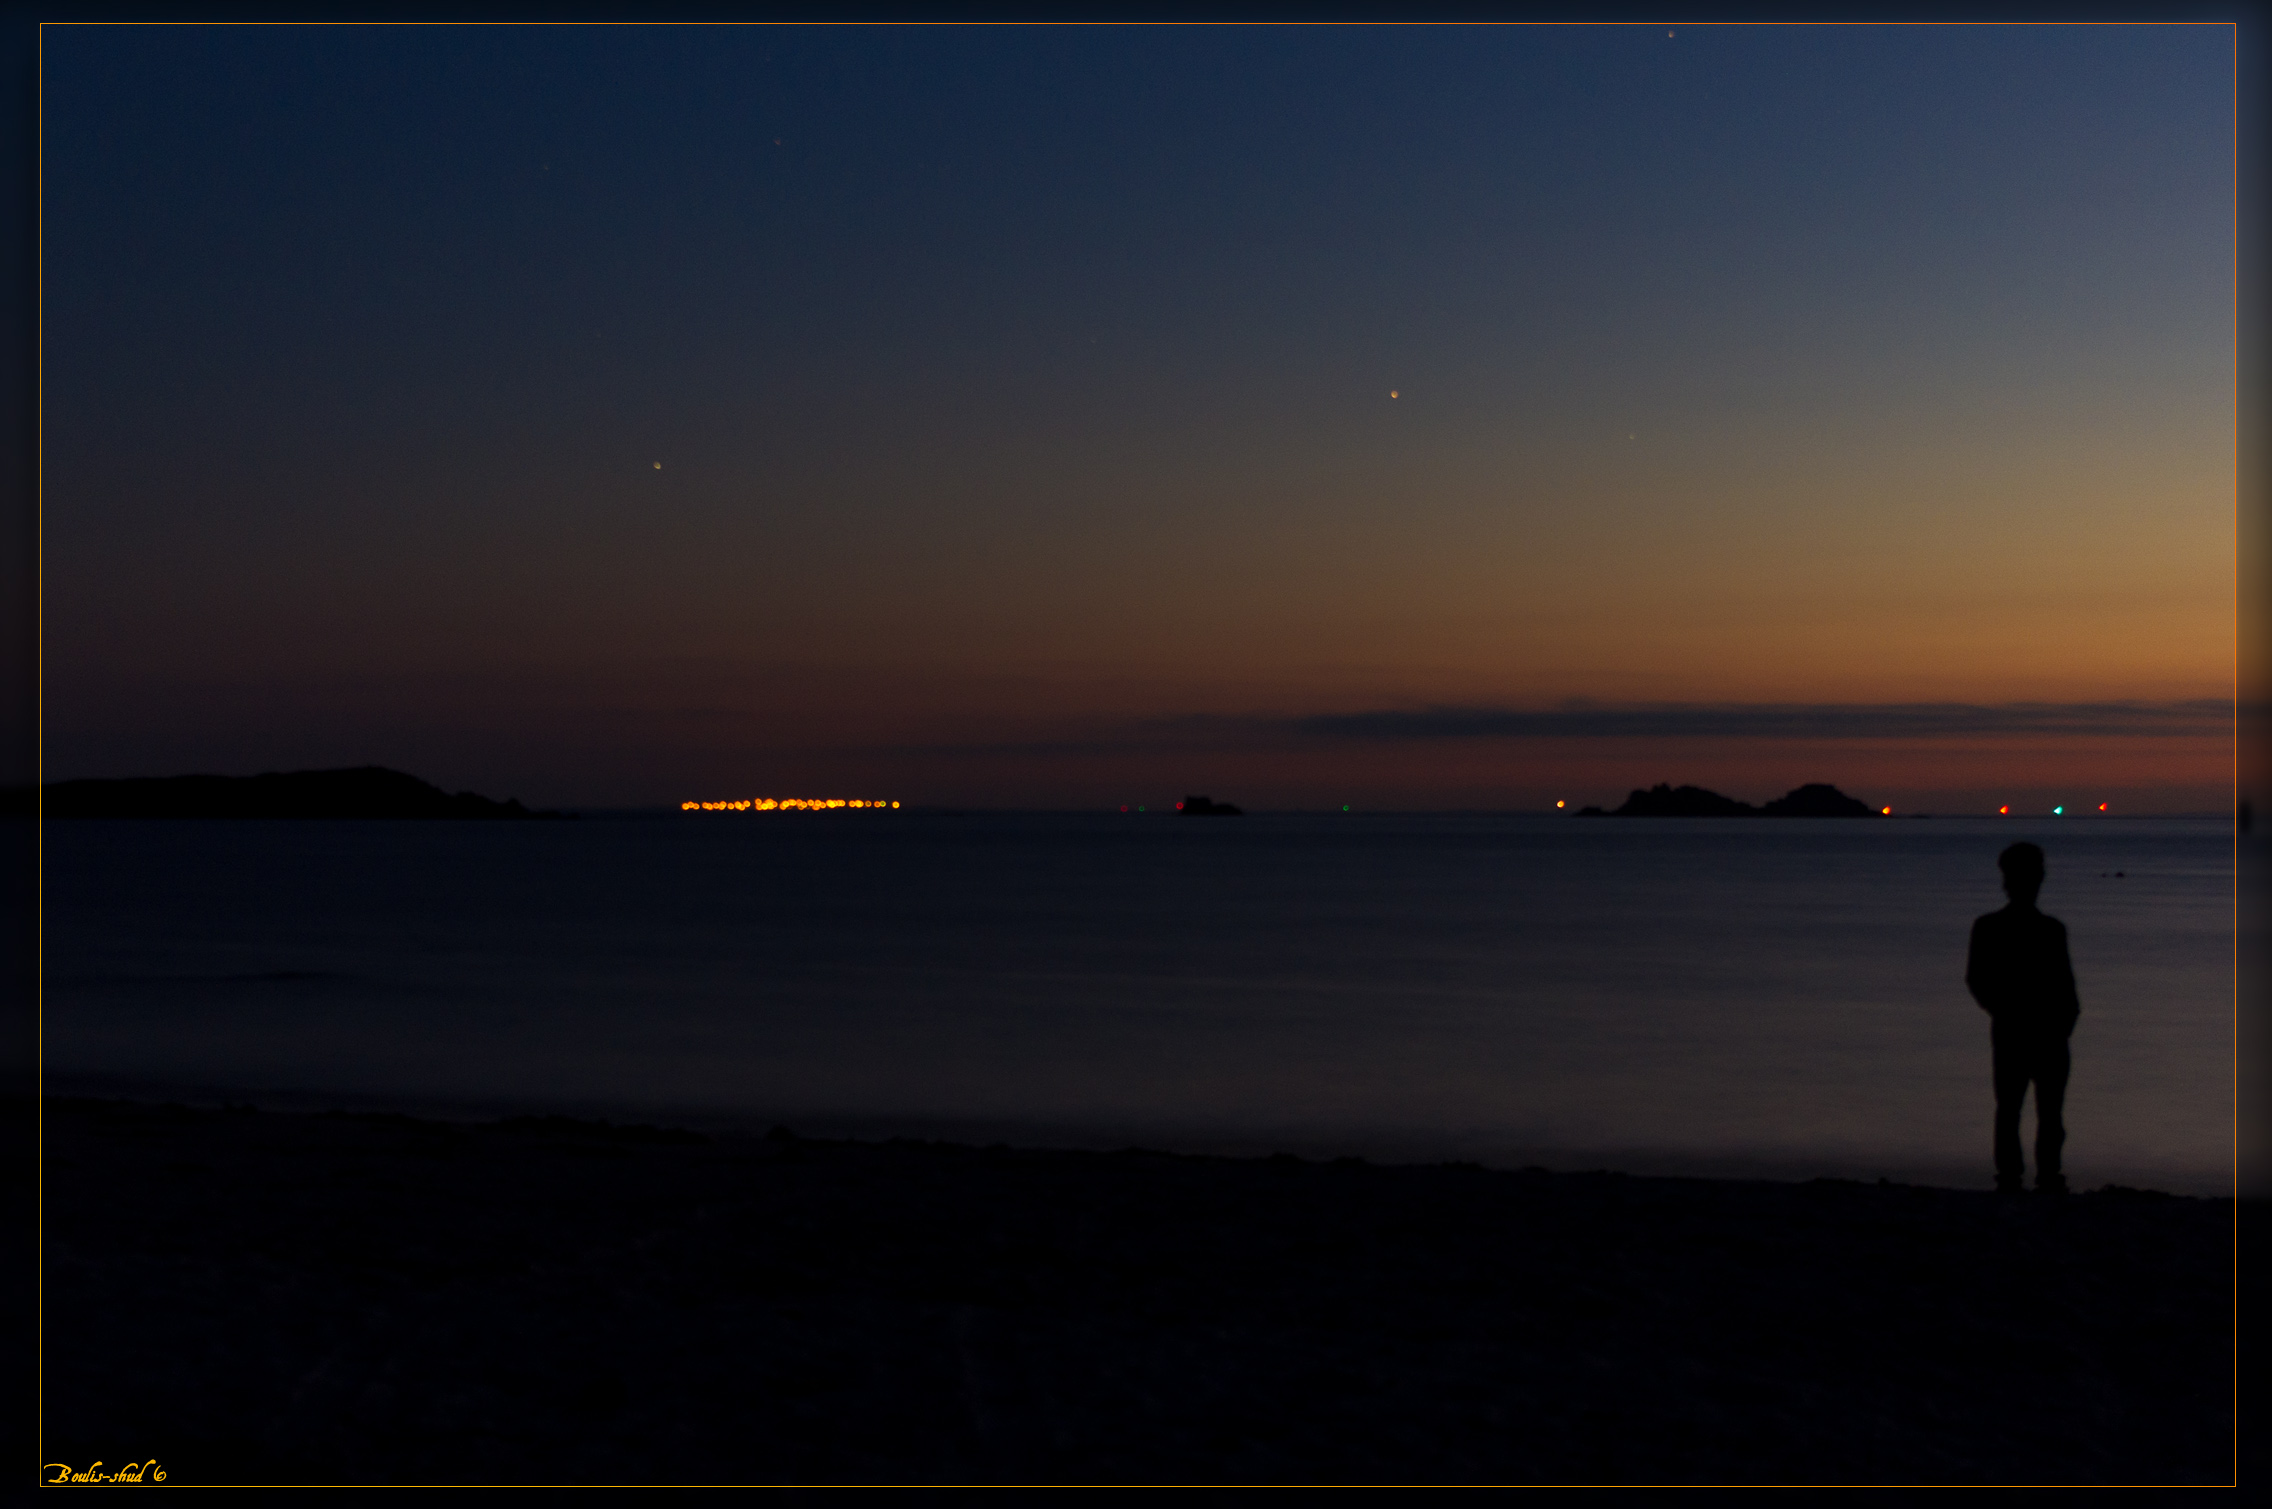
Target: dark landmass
x=369, y=791
x=1199, y=806
x=1661, y=800
x=1817, y=800
x=260, y=1297
x=1683, y=801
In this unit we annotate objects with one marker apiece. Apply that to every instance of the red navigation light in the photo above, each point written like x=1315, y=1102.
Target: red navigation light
x=2102, y=806
x=2003, y=812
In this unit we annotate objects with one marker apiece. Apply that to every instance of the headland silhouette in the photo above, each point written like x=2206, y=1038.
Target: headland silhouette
x=1815, y=799
x=368, y=791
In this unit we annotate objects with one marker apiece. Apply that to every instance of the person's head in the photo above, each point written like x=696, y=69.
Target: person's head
x=2022, y=865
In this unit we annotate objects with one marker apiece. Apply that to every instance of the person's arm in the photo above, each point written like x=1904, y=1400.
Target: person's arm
x=2063, y=987
x=1976, y=967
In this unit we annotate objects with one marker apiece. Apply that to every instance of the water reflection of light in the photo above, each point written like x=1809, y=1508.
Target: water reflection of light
x=786, y=804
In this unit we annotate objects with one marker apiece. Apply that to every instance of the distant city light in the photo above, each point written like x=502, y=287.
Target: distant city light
x=1885, y=812
x=785, y=804
x=1560, y=805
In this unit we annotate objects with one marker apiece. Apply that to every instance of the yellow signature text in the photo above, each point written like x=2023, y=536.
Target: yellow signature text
x=132, y=1472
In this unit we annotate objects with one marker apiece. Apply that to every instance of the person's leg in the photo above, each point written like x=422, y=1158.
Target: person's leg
x=2011, y=1075
x=2051, y=1064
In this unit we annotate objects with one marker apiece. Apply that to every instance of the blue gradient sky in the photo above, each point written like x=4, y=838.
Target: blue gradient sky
x=1022, y=399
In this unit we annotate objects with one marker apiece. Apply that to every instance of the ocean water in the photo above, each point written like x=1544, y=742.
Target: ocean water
x=1774, y=998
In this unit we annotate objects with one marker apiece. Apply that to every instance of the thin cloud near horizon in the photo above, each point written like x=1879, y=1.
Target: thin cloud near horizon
x=1784, y=720
x=2184, y=718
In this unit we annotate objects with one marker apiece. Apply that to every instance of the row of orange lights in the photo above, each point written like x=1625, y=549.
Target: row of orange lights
x=782, y=804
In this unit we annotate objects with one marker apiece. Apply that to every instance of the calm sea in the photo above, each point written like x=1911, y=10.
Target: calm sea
x=1781, y=998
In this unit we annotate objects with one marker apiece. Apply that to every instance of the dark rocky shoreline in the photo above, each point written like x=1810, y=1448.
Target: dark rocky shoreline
x=262, y=1297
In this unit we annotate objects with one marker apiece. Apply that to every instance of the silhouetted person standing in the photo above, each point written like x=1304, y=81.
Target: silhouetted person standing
x=2019, y=973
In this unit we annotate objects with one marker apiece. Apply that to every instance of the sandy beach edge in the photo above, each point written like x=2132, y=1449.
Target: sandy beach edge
x=338, y=1297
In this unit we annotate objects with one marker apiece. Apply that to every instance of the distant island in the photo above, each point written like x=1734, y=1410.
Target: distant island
x=1662, y=800
x=1199, y=806
x=369, y=791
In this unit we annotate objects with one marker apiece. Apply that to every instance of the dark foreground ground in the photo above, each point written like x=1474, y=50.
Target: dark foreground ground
x=257, y=1297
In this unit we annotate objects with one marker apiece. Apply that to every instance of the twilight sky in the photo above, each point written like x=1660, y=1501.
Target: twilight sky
x=1024, y=416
